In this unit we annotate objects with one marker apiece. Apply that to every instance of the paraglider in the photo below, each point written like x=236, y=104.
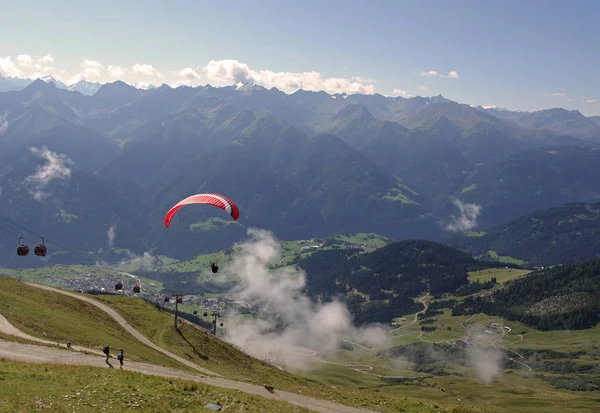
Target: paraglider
x=22, y=249
x=40, y=249
x=214, y=267
x=217, y=200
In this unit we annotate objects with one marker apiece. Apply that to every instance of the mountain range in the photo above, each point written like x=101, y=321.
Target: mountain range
x=98, y=171
x=560, y=235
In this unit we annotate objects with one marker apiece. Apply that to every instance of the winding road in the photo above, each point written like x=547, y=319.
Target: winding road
x=42, y=354
x=425, y=306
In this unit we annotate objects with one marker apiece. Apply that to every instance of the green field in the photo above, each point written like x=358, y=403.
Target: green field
x=503, y=258
x=502, y=275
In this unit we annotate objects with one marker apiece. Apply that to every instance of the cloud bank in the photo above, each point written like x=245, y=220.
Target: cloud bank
x=290, y=324
x=217, y=72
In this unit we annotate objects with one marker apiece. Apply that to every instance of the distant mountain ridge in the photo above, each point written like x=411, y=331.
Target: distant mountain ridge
x=301, y=164
x=562, y=235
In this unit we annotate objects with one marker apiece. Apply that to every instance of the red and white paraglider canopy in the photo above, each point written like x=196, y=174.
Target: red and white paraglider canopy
x=217, y=200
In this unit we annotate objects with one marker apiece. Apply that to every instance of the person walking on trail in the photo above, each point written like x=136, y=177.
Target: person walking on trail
x=120, y=357
x=107, y=352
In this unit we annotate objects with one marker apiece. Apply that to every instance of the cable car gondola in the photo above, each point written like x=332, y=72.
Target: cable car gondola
x=118, y=286
x=214, y=267
x=22, y=249
x=40, y=249
x=179, y=300
x=136, y=288
x=166, y=299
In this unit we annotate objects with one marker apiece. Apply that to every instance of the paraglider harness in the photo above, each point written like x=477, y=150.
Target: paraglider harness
x=214, y=267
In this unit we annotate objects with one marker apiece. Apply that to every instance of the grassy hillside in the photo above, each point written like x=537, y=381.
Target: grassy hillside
x=31, y=387
x=55, y=317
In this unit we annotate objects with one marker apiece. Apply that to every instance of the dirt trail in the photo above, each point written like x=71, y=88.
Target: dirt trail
x=42, y=355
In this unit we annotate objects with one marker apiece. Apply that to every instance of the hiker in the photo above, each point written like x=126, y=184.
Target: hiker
x=69, y=344
x=107, y=352
x=120, y=357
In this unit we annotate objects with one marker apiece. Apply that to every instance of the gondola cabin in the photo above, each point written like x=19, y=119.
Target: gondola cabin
x=214, y=267
x=136, y=289
x=118, y=286
x=179, y=300
x=195, y=312
x=40, y=249
x=22, y=249
x=166, y=299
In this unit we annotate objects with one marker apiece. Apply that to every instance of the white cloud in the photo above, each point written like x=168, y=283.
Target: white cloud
x=91, y=70
x=451, y=74
x=111, y=235
x=146, y=70
x=423, y=87
x=585, y=99
x=400, y=92
x=231, y=71
x=57, y=167
x=8, y=67
x=3, y=124
x=558, y=94
x=25, y=60
x=36, y=62
x=187, y=76
x=189, y=73
x=433, y=73
x=115, y=71
x=41, y=65
x=467, y=219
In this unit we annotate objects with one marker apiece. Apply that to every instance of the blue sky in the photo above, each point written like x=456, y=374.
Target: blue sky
x=527, y=54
